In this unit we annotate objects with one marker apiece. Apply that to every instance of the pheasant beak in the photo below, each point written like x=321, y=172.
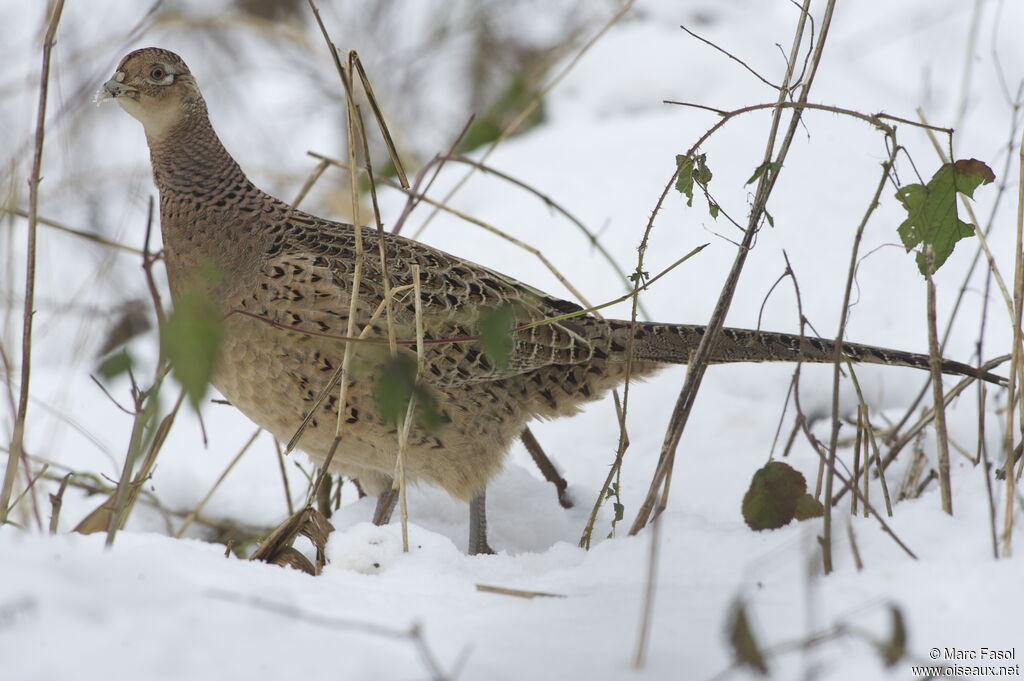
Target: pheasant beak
x=114, y=88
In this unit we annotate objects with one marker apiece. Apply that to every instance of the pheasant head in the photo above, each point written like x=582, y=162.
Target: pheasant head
x=156, y=87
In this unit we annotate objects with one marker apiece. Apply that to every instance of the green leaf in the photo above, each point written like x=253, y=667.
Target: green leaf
x=692, y=169
x=808, y=507
x=115, y=365
x=703, y=173
x=684, y=177
x=620, y=511
x=772, y=498
x=396, y=385
x=746, y=652
x=767, y=166
x=713, y=208
x=932, y=221
x=191, y=340
x=496, y=334
x=769, y=218
x=639, y=276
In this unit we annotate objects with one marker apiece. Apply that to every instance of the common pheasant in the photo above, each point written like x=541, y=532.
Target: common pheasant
x=283, y=283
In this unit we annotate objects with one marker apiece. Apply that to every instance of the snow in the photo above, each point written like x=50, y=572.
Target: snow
x=157, y=607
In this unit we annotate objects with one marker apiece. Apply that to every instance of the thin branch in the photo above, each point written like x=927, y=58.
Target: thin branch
x=17, y=449
x=836, y=369
x=730, y=55
x=89, y=236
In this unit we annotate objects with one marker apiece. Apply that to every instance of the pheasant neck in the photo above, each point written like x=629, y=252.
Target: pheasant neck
x=190, y=160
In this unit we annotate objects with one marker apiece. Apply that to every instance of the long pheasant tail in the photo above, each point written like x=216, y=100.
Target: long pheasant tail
x=675, y=344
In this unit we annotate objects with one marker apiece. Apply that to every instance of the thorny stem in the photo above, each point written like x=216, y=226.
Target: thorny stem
x=876, y=120
x=695, y=372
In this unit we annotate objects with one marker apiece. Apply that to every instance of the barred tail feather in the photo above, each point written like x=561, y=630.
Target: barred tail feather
x=676, y=343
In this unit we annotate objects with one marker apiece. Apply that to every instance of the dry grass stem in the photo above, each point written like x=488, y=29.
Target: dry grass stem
x=924, y=419
x=284, y=476
x=56, y=501
x=647, y=607
x=190, y=518
x=357, y=230
x=864, y=414
x=310, y=181
x=941, y=434
x=410, y=413
x=518, y=593
x=854, y=549
x=356, y=65
x=1013, y=399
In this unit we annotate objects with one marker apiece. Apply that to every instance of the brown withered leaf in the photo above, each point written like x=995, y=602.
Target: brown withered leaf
x=278, y=548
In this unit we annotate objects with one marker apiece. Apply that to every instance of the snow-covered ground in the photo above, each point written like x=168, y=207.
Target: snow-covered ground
x=156, y=607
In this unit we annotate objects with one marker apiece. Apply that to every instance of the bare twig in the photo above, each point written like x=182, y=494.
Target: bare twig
x=17, y=449
x=730, y=55
x=826, y=540
x=314, y=175
x=89, y=236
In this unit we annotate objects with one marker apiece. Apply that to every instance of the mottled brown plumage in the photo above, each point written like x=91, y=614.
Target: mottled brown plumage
x=284, y=283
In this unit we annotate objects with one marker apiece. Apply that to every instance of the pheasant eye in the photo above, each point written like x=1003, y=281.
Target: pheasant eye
x=157, y=73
